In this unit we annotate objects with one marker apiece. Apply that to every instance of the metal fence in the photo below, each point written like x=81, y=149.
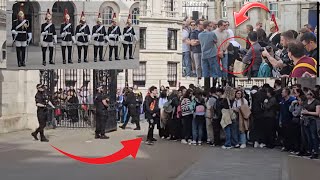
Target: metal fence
x=73, y=92
x=195, y=9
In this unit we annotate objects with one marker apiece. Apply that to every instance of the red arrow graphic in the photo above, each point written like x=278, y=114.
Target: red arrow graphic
x=130, y=147
x=241, y=17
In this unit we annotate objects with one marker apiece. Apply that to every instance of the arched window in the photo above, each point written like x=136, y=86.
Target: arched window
x=107, y=14
x=135, y=16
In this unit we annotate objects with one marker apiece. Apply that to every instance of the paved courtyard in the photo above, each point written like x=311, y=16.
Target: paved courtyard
x=35, y=59
x=21, y=158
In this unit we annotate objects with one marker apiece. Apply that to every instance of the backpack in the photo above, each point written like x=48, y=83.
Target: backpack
x=167, y=107
x=200, y=108
x=217, y=109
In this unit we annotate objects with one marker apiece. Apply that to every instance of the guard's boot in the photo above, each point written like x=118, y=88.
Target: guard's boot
x=117, y=58
x=131, y=57
x=44, y=139
x=104, y=137
x=23, y=58
x=97, y=136
x=34, y=135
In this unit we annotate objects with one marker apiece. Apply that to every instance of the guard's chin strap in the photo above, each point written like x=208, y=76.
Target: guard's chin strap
x=273, y=18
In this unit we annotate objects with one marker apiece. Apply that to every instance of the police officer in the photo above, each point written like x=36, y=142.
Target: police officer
x=21, y=34
x=114, y=37
x=83, y=38
x=67, y=35
x=129, y=35
x=101, y=105
x=48, y=38
x=42, y=103
x=98, y=33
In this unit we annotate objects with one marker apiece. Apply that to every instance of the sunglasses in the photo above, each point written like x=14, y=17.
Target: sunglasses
x=192, y=24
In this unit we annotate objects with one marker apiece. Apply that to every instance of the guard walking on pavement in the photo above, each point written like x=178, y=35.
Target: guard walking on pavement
x=21, y=34
x=83, y=38
x=48, y=38
x=114, y=37
x=133, y=102
x=101, y=105
x=129, y=36
x=98, y=33
x=67, y=35
x=42, y=103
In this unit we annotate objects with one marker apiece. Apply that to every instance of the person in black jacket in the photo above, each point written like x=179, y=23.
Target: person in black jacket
x=131, y=103
x=152, y=112
x=174, y=122
x=268, y=133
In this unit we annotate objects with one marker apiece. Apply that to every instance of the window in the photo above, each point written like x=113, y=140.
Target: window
x=224, y=9
x=135, y=16
x=3, y=5
x=70, y=77
x=4, y=51
x=172, y=39
x=143, y=38
x=273, y=8
x=169, y=8
x=172, y=74
x=139, y=75
x=107, y=15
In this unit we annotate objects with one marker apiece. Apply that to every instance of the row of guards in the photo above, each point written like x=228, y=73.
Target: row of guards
x=73, y=93
x=113, y=38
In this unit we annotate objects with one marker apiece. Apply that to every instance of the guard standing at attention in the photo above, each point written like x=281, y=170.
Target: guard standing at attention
x=67, y=35
x=98, y=33
x=129, y=36
x=83, y=38
x=48, y=38
x=101, y=104
x=42, y=103
x=21, y=34
x=114, y=38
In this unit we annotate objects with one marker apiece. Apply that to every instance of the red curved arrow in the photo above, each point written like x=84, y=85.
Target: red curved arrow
x=130, y=147
x=241, y=17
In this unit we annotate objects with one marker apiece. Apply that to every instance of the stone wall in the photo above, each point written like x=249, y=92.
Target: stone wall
x=18, y=109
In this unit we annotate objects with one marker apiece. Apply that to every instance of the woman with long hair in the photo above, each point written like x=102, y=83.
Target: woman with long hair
x=310, y=115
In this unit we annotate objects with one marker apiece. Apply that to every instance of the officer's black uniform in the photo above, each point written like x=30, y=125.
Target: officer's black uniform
x=42, y=114
x=114, y=34
x=67, y=29
x=83, y=36
x=20, y=33
x=99, y=33
x=128, y=33
x=48, y=41
x=101, y=116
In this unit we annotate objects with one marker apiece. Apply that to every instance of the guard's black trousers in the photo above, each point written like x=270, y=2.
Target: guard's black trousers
x=44, y=50
x=101, y=121
x=115, y=51
x=125, y=48
x=85, y=49
x=42, y=115
x=96, y=49
x=21, y=55
x=64, y=53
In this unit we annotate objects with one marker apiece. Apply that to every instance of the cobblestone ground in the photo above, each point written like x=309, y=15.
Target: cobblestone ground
x=23, y=158
x=35, y=60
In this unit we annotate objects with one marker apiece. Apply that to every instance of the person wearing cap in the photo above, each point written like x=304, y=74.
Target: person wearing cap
x=67, y=35
x=114, y=37
x=22, y=35
x=129, y=35
x=101, y=103
x=42, y=103
x=83, y=38
x=48, y=38
x=98, y=34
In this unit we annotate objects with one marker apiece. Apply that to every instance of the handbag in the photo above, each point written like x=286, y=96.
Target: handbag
x=238, y=67
x=233, y=115
x=57, y=112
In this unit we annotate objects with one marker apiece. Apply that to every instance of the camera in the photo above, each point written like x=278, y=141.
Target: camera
x=243, y=52
x=268, y=48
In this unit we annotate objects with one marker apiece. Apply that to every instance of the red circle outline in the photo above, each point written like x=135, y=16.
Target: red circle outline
x=253, y=56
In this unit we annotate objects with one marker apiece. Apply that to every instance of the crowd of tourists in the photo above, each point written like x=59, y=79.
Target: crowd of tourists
x=210, y=50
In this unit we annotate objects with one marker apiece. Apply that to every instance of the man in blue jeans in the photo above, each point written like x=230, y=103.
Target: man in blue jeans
x=208, y=40
x=186, y=54
x=222, y=42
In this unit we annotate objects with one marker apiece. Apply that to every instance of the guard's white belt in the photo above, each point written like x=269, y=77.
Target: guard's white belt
x=21, y=31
